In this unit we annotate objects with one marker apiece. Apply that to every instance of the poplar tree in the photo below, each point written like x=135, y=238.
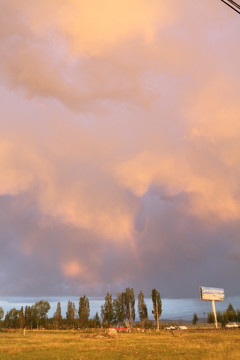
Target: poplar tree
x=41, y=307
x=1, y=313
x=142, y=308
x=21, y=318
x=231, y=313
x=118, y=309
x=107, y=310
x=194, y=319
x=83, y=311
x=71, y=314
x=58, y=315
x=157, y=306
x=129, y=304
x=210, y=318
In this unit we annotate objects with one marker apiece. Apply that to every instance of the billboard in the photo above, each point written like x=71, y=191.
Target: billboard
x=208, y=293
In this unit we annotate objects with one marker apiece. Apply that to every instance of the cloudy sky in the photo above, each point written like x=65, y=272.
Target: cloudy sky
x=119, y=147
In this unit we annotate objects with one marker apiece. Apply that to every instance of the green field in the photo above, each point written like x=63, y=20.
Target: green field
x=76, y=345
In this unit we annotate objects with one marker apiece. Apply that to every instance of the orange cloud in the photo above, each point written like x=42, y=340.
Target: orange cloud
x=72, y=269
x=92, y=27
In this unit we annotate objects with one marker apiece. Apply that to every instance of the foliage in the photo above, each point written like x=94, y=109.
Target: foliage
x=1, y=313
x=142, y=308
x=118, y=309
x=107, y=310
x=58, y=315
x=231, y=313
x=157, y=306
x=41, y=309
x=71, y=314
x=12, y=319
x=194, y=319
x=83, y=311
x=129, y=305
x=210, y=318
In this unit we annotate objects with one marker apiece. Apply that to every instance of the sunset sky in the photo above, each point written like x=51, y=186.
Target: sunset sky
x=119, y=147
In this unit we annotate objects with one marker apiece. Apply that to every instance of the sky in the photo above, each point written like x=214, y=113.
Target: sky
x=119, y=147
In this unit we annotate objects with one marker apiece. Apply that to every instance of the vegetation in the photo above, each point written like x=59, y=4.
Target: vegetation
x=95, y=345
x=83, y=311
x=229, y=315
x=107, y=310
x=129, y=304
x=195, y=319
x=157, y=306
x=142, y=308
x=115, y=312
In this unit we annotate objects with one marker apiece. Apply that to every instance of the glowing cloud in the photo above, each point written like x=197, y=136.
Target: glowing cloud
x=119, y=143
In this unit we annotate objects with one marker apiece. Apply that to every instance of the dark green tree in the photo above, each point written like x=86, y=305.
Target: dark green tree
x=29, y=316
x=142, y=308
x=42, y=307
x=231, y=313
x=83, y=311
x=21, y=318
x=129, y=305
x=221, y=318
x=107, y=310
x=1, y=314
x=118, y=309
x=12, y=319
x=210, y=318
x=238, y=315
x=71, y=314
x=157, y=306
x=97, y=320
x=194, y=319
x=58, y=315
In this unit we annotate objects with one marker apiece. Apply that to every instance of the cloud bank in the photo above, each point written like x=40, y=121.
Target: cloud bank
x=119, y=147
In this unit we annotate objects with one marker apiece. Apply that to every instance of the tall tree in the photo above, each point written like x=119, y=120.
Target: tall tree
x=71, y=314
x=238, y=315
x=157, y=306
x=31, y=317
x=21, y=318
x=42, y=307
x=97, y=320
x=129, y=303
x=118, y=309
x=194, y=319
x=107, y=310
x=210, y=318
x=231, y=313
x=221, y=318
x=58, y=315
x=83, y=311
x=142, y=308
x=12, y=319
x=1, y=314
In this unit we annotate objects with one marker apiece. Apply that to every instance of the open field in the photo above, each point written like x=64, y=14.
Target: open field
x=76, y=345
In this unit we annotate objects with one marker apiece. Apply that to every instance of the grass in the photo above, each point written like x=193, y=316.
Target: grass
x=75, y=345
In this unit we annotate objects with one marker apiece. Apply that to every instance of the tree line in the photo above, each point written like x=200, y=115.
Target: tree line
x=119, y=311
x=229, y=315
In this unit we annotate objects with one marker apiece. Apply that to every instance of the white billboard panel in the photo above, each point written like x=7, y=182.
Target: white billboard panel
x=207, y=293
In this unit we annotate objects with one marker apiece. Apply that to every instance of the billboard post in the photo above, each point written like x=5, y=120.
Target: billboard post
x=214, y=314
x=212, y=294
